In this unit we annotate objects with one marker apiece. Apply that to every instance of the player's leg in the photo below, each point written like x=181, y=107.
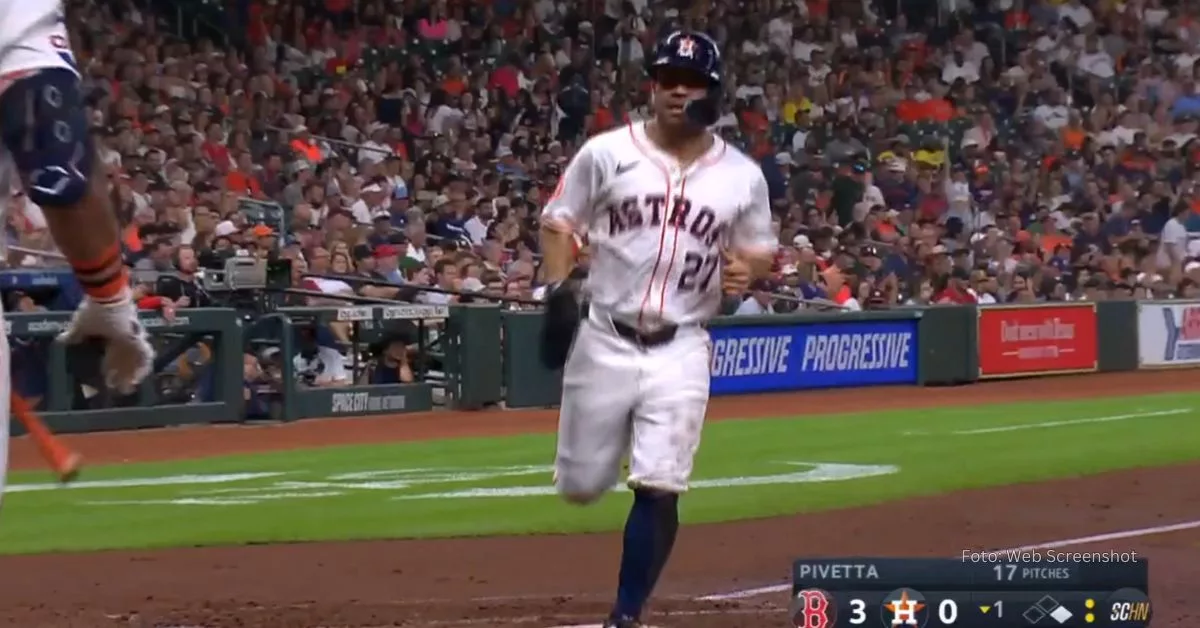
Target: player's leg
x=46, y=130
x=599, y=383
x=666, y=433
x=45, y=127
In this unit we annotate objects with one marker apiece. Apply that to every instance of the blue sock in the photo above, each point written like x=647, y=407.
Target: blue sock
x=649, y=537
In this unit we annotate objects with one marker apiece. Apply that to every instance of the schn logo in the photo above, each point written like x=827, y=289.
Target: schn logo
x=814, y=608
x=904, y=607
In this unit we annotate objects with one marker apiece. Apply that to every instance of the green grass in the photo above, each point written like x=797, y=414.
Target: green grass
x=923, y=446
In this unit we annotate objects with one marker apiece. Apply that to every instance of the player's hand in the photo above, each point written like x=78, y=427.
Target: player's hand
x=128, y=356
x=735, y=273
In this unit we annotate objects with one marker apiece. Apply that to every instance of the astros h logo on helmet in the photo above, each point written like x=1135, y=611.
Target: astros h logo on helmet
x=687, y=47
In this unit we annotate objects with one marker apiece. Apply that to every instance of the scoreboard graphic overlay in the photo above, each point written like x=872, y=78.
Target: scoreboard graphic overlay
x=939, y=593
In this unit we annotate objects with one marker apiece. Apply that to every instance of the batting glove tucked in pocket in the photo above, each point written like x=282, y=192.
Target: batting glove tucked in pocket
x=564, y=313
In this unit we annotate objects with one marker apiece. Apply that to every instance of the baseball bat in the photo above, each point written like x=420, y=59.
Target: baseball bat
x=66, y=462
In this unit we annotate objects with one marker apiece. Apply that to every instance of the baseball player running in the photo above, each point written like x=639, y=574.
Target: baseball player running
x=672, y=214
x=47, y=137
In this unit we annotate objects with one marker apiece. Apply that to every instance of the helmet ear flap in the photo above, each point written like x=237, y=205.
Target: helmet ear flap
x=705, y=111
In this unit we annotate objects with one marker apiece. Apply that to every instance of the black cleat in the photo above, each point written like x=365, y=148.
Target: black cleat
x=622, y=621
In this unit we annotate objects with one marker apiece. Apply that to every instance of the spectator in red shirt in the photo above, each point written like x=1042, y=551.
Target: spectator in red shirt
x=955, y=291
x=215, y=148
x=242, y=180
x=256, y=30
x=1017, y=19
x=910, y=108
x=505, y=78
x=932, y=202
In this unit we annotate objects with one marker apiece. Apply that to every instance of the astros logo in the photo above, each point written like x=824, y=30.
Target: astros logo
x=687, y=47
x=904, y=610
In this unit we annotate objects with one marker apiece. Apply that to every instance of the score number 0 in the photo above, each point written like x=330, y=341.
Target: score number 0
x=947, y=612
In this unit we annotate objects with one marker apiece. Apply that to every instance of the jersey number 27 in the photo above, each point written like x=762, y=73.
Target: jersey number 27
x=698, y=271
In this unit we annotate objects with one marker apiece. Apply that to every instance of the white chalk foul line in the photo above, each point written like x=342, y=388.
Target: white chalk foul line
x=745, y=593
x=1063, y=423
x=1081, y=540
x=1098, y=419
x=1110, y=536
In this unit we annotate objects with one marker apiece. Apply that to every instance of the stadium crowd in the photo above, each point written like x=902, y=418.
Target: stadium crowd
x=917, y=152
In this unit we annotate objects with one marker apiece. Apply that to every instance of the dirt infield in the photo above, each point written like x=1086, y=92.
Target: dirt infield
x=542, y=581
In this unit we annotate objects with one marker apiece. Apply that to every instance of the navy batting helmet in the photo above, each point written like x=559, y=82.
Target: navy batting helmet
x=698, y=52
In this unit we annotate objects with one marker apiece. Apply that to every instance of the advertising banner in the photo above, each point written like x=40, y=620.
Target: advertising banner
x=1169, y=334
x=378, y=399
x=1037, y=339
x=803, y=356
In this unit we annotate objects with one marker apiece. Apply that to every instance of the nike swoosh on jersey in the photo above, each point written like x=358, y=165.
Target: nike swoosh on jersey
x=623, y=168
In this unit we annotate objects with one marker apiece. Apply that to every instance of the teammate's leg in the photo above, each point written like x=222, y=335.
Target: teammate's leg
x=45, y=127
x=599, y=384
x=666, y=433
x=46, y=130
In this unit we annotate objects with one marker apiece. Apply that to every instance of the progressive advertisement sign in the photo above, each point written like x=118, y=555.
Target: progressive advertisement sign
x=1037, y=339
x=1169, y=334
x=804, y=356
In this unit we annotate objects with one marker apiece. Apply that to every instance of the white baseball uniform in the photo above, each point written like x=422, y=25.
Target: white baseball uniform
x=7, y=179
x=33, y=36
x=656, y=230
x=5, y=392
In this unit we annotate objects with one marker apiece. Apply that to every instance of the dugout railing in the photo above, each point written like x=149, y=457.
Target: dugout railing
x=65, y=385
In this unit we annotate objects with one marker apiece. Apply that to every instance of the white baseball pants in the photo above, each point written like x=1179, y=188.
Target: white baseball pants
x=618, y=397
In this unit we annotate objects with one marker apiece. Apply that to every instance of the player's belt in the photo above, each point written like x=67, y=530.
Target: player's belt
x=658, y=337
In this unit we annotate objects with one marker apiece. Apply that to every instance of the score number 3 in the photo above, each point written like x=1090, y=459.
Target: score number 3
x=698, y=271
x=947, y=612
x=858, y=612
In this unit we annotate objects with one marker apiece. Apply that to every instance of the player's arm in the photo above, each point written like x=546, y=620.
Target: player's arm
x=568, y=211
x=752, y=241
x=87, y=234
